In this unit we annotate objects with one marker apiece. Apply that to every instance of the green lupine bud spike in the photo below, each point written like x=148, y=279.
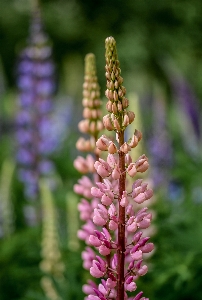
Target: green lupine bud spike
x=115, y=90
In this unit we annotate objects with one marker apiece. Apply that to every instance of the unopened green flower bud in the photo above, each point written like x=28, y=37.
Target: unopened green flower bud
x=107, y=75
x=120, y=80
x=119, y=106
x=125, y=102
x=112, y=76
x=116, y=84
x=115, y=96
x=117, y=125
x=114, y=108
x=109, y=106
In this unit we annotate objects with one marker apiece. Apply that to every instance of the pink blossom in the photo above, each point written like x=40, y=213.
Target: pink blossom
x=89, y=288
x=130, y=285
x=136, y=255
x=106, y=200
x=142, y=163
x=138, y=296
x=124, y=199
x=145, y=221
x=111, y=283
x=131, y=224
x=96, y=192
x=106, y=234
x=112, y=210
x=86, y=208
x=86, y=230
x=98, y=268
x=84, y=187
x=93, y=297
x=98, y=220
x=94, y=241
x=100, y=217
x=102, y=168
x=114, y=261
x=143, y=270
x=102, y=288
x=103, y=250
x=147, y=248
x=137, y=236
x=112, y=160
x=113, y=225
x=84, y=126
x=90, y=162
x=87, y=255
x=81, y=165
x=140, y=198
x=116, y=173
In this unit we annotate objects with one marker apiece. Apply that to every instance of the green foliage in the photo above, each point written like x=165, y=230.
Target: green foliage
x=19, y=260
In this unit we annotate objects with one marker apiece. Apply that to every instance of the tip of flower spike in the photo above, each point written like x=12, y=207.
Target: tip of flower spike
x=110, y=40
x=110, y=46
x=90, y=67
x=89, y=56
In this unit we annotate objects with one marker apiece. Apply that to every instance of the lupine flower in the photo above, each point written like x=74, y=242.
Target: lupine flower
x=36, y=85
x=119, y=243
x=91, y=125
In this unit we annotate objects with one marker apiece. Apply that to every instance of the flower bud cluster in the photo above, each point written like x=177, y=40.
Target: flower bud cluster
x=119, y=118
x=85, y=165
x=91, y=123
x=110, y=167
x=105, y=144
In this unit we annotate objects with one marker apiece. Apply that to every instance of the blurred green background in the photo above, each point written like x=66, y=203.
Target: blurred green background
x=160, y=51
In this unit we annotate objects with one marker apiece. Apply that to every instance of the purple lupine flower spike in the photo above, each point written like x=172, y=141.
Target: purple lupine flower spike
x=159, y=143
x=36, y=85
x=188, y=101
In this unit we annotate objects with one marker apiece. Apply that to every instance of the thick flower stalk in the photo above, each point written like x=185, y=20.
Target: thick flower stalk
x=36, y=85
x=121, y=243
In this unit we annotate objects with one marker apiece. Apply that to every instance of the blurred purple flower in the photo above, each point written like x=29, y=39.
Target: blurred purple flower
x=36, y=85
x=159, y=141
x=188, y=101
